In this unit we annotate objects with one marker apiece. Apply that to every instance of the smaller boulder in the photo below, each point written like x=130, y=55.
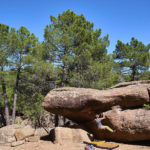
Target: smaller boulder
x=64, y=135
x=24, y=132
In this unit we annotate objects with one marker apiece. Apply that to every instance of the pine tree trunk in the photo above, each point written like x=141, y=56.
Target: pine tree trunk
x=61, y=119
x=5, y=101
x=15, y=96
x=3, y=120
x=133, y=73
x=56, y=120
x=64, y=76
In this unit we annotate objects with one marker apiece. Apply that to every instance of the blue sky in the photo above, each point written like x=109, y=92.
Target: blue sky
x=121, y=19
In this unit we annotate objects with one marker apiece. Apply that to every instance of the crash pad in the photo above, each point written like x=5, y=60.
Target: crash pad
x=102, y=144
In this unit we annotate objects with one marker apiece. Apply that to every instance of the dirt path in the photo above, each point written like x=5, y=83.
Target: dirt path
x=47, y=145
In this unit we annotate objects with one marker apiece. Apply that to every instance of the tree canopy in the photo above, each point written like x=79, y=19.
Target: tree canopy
x=133, y=57
x=75, y=47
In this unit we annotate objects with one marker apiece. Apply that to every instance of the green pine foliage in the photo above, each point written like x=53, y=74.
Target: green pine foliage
x=146, y=106
x=133, y=58
x=78, y=51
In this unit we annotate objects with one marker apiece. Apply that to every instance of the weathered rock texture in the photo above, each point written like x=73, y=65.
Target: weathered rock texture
x=7, y=133
x=24, y=132
x=42, y=131
x=63, y=135
x=32, y=139
x=15, y=135
x=81, y=105
x=129, y=125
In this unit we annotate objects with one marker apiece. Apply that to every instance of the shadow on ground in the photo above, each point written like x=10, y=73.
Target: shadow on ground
x=46, y=138
x=140, y=143
x=49, y=137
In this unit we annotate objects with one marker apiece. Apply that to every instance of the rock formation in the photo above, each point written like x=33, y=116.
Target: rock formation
x=80, y=105
x=15, y=135
x=63, y=135
x=7, y=133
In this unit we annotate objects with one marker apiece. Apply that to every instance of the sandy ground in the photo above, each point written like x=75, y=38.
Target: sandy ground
x=45, y=144
x=48, y=145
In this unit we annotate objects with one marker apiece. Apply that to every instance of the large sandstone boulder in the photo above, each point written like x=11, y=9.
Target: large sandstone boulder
x=129, y=125
x=63, y=135
x=81, y=105
x=7, y=133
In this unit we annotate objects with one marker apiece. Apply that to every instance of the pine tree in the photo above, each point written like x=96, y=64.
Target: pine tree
x=21, y=41
x=74, y=45
x=4, y=54
x=133, y=57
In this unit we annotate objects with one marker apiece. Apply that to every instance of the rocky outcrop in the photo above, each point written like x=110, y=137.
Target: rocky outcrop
x=81, y=105
x=63, y=135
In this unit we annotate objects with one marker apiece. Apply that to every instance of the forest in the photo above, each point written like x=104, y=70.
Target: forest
x=72, y=54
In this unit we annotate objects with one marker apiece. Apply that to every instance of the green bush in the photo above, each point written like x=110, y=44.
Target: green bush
x=146, y=106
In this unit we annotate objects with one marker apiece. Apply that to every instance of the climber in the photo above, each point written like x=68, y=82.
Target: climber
x=98, y=120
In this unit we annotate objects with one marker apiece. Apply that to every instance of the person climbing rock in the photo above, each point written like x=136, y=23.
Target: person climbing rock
x=98, y=120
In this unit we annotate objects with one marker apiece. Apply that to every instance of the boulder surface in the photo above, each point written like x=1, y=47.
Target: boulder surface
x=24, y=132
x=7, y=133
x=81, y=105
x=63, y=135
x=129, y=125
